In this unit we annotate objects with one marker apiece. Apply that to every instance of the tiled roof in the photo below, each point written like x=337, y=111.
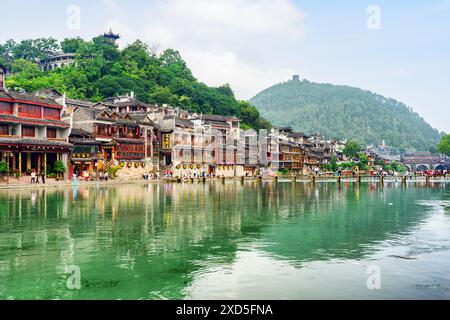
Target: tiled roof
x=297, y=135
x=215, y=117
x=30, y=97
x=35, y=142
x=84, y=141
x=77, y=102
x=184, y=122
x=80, y=132
x=11, y=118
x=131, y=103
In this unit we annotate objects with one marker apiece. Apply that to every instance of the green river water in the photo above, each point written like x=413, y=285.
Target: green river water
x=232, y=241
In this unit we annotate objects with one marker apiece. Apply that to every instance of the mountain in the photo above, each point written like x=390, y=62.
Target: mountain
x=345, y=112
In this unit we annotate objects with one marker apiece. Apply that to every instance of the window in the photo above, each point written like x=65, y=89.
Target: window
x=51, y=133
x=6, y=108
x=4, y=129
x=30, y=111
x=51, y=113
x=131, y=151
x=28, y=131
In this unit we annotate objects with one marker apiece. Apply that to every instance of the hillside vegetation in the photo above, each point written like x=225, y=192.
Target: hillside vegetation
x=102, y=70
x=347, y=113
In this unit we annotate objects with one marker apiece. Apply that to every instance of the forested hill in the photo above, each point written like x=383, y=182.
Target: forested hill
x=345, y=112
x=102, y=70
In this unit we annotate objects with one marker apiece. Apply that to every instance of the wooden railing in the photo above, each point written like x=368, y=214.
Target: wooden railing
x=9, y=136
x=57, y=139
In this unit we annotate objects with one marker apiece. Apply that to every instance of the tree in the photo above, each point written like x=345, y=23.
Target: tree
x=3, y=167
x=59, y=168
x=103, y=70
x=33, y=49
x=163, y=95
x=71, y=45
x=26, y=69
x=226, y=90
x=333, y=163
x=262, y=123
x=444, y=145
x=248, y=113
x=346, y=113
x=363, y=161
x=6, y=53
x=352, y=149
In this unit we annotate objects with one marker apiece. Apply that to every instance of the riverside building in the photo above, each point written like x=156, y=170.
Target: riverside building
x=33, y=134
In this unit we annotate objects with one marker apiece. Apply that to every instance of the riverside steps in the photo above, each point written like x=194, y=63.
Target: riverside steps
x=314, y=179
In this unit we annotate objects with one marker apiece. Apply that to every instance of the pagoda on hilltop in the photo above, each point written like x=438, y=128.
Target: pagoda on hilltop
x=113, y=37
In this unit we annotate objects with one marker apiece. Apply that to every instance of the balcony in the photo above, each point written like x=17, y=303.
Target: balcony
x=105, y=135
x=57, y=139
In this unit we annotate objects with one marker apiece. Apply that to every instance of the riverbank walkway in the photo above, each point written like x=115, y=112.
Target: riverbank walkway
x=52, y=183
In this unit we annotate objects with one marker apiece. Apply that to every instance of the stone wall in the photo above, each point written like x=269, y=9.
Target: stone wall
x=182, y=171
x=134, y=173
x=230, y=171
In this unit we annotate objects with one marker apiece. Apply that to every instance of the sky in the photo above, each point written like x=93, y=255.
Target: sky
x=400, y=49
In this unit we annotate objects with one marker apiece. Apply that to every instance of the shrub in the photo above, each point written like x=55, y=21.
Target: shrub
x=3, y=167
x=59, y=168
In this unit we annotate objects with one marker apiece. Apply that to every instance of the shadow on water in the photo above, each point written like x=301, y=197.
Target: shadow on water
x=150, y=241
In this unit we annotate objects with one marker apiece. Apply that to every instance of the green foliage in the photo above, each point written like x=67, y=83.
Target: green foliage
x=395, y=166
x=352, y=149
x=112, y=171
x=59, y=168
x=363, y=162
x=71, y=45
x=348, y=165
x=346, y=113
x=28, y=49
x=444, y=145
x=284, y=171
x=27, y=70
x=333, y=164
x=103, y=70
x=3, y=167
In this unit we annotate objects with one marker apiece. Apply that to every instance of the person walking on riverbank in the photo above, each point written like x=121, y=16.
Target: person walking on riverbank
x=33, y=177
x=316, y=171
x=43, y=175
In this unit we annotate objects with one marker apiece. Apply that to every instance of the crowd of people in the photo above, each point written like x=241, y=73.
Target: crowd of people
x=168, y=174
x=40, y=177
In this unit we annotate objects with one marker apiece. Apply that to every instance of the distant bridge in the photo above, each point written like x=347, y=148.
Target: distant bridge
x=425, y=166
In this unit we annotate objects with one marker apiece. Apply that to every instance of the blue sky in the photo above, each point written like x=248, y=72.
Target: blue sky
x=253, y=44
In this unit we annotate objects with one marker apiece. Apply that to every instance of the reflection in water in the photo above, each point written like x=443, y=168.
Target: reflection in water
x=220, y=241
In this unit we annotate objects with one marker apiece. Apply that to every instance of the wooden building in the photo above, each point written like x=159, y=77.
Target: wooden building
x=32, y=134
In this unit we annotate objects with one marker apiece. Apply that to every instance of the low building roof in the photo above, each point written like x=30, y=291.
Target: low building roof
x=35, y=142
x=84, y=141
x=298, y=135
x=80, y=132
x=46, y=122
x=216, y=117
x=28, y=97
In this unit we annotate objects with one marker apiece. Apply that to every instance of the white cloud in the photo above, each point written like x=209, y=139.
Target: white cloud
x=247, y=43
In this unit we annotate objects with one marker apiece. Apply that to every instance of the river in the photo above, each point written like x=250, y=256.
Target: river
x=231, y=241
